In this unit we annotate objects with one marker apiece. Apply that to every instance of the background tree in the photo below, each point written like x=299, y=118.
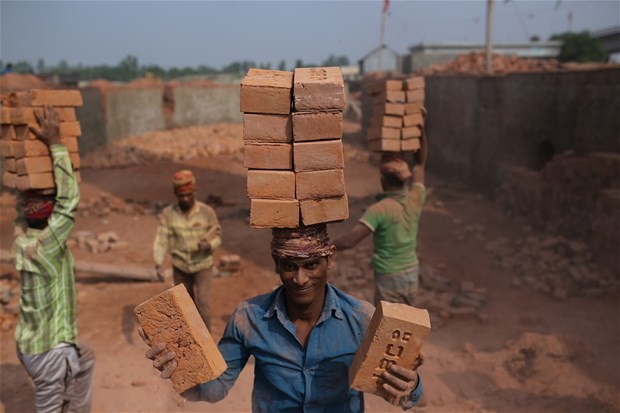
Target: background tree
x=282, y=65
x=579, y=47
x=334, y=60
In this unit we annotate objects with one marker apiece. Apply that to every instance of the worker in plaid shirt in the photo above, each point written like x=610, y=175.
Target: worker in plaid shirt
x=190, y=231
x=46, y=335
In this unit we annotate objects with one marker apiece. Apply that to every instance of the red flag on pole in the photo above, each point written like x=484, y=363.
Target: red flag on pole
x=386, y=5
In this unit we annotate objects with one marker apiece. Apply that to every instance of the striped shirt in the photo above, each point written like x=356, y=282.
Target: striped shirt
x=180, y=233
x=47, y=313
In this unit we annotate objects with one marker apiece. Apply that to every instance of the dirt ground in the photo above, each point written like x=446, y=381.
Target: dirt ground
x=530, y=353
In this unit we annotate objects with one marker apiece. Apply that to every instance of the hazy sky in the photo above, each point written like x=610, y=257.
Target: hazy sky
x=214, y=33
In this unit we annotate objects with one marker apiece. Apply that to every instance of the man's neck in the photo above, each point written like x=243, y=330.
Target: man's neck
x=306, y=314
x=188, y=210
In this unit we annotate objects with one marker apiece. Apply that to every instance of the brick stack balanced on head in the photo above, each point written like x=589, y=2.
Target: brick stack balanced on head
x=295, y=159
x=396, y=119
x=27, y=160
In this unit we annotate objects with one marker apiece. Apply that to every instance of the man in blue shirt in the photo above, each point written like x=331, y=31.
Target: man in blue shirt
x=303, y=336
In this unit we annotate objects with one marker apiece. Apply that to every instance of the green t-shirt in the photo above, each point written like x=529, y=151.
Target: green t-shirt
x=394, y=222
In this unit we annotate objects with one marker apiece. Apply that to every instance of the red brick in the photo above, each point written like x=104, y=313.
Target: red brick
x=267, y=128
x=319, y=184
x=394, y=96
x=7, y=148
x=413, y=120
x=318, y=89
x=397, y=109
x=316, y=211
x=7, y=132
x=9, y=165
x=36, y=181
x=380, y=86
x=316, y=156
x=384, y=145
x=410, y=145
x=415, y=95
x=413, y=107
x=271, y=184
x=42, y=97
x=25, y=115
x=31, y=148
x=39, y=164
x=387, y=121
x=313, y=126
x=383, y=133
x=270, y=213
x=267, y=91
x=395, y=336
x=268, y=156
x=9, y=180
x=412, y=132
x=172, y=318
x=5, y=115
x=67, y=130
x=414, y=83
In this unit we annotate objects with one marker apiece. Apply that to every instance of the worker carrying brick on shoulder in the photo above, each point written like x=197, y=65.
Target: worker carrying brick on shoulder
x=46, y=334
x=303, y=336
x=190, y=231
x=393, y=220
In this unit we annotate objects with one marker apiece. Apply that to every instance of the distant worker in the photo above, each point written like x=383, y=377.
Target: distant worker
x=393, y=220
x=46, y=335
x=190, y=231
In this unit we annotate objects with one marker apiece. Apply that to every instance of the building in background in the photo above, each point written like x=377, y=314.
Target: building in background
x=388, y=59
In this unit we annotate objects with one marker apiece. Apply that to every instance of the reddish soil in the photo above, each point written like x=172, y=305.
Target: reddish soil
x=532, y=354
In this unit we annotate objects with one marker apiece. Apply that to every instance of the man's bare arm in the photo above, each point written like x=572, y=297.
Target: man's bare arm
x=351, y=239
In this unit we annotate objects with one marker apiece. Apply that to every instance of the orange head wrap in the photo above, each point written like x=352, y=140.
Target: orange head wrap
x=184, y=181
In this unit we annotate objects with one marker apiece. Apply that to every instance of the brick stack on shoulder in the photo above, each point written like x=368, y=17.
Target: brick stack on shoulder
x=27, y=161
x=396, y=118
x=295, y=159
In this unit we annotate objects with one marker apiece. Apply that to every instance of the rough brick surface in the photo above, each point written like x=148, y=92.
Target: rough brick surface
x=383, y=133
x=31, y=148
x=384, y=145
x=271, y=184
x=395, y=336
x=413, y=107
x=8, y=164
x=394, y=96
x=67, y=130
x=318, y=89
x=319, y=155
x=414, y=83
x=7, y=132
x=269, y=213
x=387, y=121
x=267, y=128
x=22, y=115
x=268, y=156
x=411, y=132
x=415, y=95
x=41, y=97
x=266, y=91
x=36, y=181
x=397, y=109
x=5, y=115
x=39, y=164
x=313, y=126
x=380, y=86
x=413, y=120
x=410, y=145
x=320, y=184
x=316, y=211
x=9, y=180
x=7, y=148
x=172, y=318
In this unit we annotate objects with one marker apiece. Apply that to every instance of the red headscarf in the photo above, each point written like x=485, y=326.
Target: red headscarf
x=37, y=205
x=303, y=242
x=184, y=181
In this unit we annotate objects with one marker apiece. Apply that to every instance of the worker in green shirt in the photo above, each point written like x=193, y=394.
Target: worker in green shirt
x=393, y=220
x=46, y=334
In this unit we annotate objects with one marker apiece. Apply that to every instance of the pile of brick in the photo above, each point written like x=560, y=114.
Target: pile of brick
x=292, y=131
x=96, y=243
x=27, y=163
x=576, y=197
x=396, y=118
x=474, y=63
x=103, y=204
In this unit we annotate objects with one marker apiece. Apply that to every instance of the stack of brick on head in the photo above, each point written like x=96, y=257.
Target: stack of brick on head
x=46, y=335
x=304, y=334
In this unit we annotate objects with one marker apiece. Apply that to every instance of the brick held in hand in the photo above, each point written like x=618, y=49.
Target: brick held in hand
x=172, y=318
x=266, y=91
x=316, y=211
x=268, y=156
x=314, y=126
x=42, y=97
x=318, y=155
x=319, y=184
x=318, y=89
x=271, y=213
x=264, y=128
x=263, y=184
x=385, y=145
x=395, y=336
x=410, y=145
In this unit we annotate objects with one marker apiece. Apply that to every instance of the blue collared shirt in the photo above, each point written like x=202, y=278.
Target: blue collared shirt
x=287, y=376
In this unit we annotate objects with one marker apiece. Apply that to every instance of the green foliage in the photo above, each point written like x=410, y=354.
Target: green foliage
x=333, y=60
x=579, y=47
